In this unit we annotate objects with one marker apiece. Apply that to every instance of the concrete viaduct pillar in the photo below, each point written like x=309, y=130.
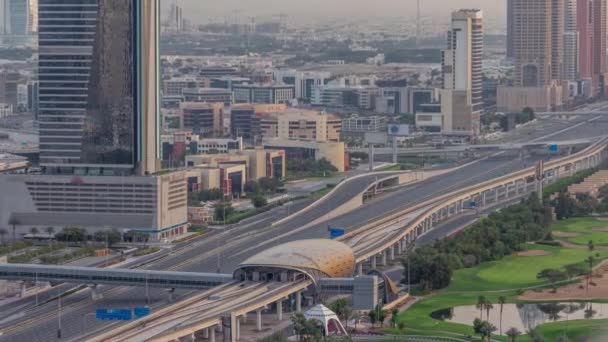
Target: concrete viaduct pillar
x=212, y=334
x=237, y=328
x=258, y=319
x=280, y=309
x=299, y=301
x=373, y=261
x=360, y=269
x=384, y=263
x=392, y=253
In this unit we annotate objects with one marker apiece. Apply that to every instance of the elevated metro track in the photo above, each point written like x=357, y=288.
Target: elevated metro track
x=382, y=238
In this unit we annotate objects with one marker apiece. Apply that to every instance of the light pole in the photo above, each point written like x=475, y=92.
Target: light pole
x=59, y=317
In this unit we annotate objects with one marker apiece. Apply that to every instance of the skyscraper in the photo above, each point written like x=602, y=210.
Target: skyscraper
x=509, y=28
x=99, y=86
x=18, y=18
x=592, y=31
x=538, y=41
x=462, y=94
x=571, y=38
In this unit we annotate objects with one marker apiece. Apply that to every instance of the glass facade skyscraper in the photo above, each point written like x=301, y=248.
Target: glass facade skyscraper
x=98, y=86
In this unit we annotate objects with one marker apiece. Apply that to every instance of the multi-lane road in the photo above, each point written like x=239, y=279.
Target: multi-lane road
x=224, y=250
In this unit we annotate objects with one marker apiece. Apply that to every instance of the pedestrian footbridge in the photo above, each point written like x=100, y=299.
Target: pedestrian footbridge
x=129, y=277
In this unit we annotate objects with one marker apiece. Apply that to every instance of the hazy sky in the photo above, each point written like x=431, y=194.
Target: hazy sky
x=202, y=10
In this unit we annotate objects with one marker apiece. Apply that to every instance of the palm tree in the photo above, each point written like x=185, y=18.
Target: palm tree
x=14, y=222
x=501, y=301
x=488, y=307
x=590, y=261
x=513, y=333
x=481, y=302
x=50, y=231
x=34, y=231
x=3, y=232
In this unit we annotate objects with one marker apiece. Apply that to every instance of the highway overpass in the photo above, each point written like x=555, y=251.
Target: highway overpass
x=382, y=240
x=477, y=148
x=252, y=236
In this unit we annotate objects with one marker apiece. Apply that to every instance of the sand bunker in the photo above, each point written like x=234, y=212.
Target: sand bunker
x=533, y=253
x=560, y=234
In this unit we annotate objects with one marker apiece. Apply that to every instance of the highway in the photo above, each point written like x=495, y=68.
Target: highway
x=232, y=246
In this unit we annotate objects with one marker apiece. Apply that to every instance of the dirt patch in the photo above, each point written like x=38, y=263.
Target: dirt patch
x=601, y=229
x=560, y=234
x=575, y=291
x=533, y=253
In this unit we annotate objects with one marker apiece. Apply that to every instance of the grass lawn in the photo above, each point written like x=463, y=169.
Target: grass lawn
x=514, y=271
x=500, y=278
x=595, y=328
x=584, y=227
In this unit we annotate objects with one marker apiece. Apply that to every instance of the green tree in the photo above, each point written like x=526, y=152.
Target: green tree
x=3, y=233
x=487, y=329
x=501, y=301
x=394, y=316
x=72, y=234
x=380, y=314
x=259, y=201
x=110, y=236
x=50, y=231
x=590, y=245
x=488, y=307
x=253, y=188
x=373, y=317
x=342, y=309
x=401, y=326
x=14, y=222
x=223, y=210
x=34, y=231
x=481, y=304
x=565, y=206
x=279, y=336
x=513, y=333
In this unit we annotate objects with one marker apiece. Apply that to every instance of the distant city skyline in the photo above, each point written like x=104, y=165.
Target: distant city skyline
x=206, y=10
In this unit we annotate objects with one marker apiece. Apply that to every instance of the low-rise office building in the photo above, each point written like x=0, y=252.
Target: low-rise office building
x=260, y=163
x=541, y=99
x=154, y=205
x=261, y=93
x=300, y=124
x=205, y=146
x=243, y=118
x=202, y=118
x=175, y=86
x=359, y=125
x=210, y=95
x=333, y=152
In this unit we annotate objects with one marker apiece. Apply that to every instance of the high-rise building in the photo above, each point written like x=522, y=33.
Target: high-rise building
x=99, y=86
x=571, y=38
x=592, y=30
x=538, y=40
x=176, y=20
x=18, y=21
x=462, y=93
x=510, y=37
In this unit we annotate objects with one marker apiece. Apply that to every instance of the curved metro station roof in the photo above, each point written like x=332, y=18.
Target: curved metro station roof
x=332, y=258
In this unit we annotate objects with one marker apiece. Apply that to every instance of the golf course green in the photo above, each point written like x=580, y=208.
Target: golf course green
x=509, y=277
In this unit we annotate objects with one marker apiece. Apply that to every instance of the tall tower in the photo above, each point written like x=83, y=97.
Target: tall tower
x=571, y=38
x=592, y=32
x=510, y=23
x=418, y=4
x=538, y=41
x=99, y=86
x=462, y=94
